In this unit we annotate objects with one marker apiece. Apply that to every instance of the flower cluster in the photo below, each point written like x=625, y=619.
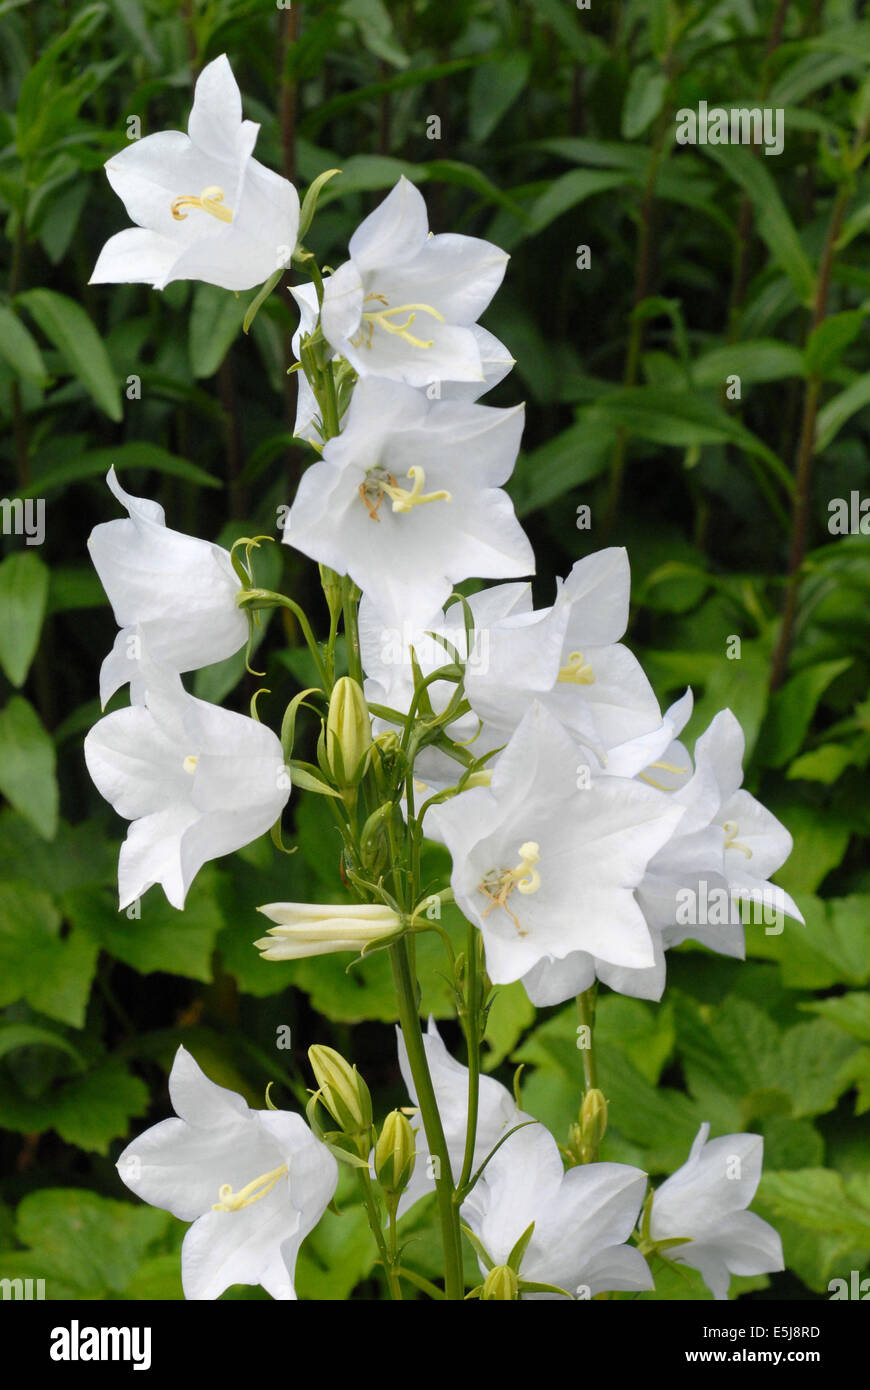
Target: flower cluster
x=528, y=741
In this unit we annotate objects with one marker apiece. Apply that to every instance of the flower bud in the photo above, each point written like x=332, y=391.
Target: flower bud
x=395, y=1153
x=342, y=1090
x=348, y=733
x=593, y=1124
x=501, y=1283
x=319, y=929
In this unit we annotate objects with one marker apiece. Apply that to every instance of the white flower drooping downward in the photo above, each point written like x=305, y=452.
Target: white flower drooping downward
x=178, y=590
x=705, y=1202
x=204, y=208
x=197, y=781
x=253, y=1182
x=405, y=304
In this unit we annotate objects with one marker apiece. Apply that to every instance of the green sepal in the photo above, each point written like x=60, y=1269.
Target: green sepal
x=309, y=202
x=260, y=298
x=479, y=1250
x=288, y=723
x=306, y=776
x=530, y=1287
x=515, y=1258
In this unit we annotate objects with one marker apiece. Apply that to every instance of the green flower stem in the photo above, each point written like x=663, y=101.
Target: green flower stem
x=410, y=1021
x=586, y=1016
x=471, y=1026
x=388, y=1258
x=276, y=600
x=350, y=603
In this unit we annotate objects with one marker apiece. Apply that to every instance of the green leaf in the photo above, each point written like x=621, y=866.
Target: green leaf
x=75, y=855
x=138, y=453
x=27, y=766
x=759, y=359
x=575, y=456
x=339, y=1253
x=819, y=1200
x=643, y=100
x=833, y=948
x=851, y=1012
x=36, y=964
x=91, y=1242
x=15, y=1035
x=67, y=326
x=792, y=708
x=494, y=88
x=828, y=342
x=567, y=192
x=215, y=320
x=825, y=764
x=23, y=595
x=840, y=408
x=681, y=420
x=772, y=218
x=88, y=1111
x=376, y=28
x=19, y=348
x=510, y=1014
x=160, y=938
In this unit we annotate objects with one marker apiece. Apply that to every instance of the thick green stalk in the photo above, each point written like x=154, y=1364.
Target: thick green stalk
x=472, y=1037
x=586, y=1017
x=448, y=1214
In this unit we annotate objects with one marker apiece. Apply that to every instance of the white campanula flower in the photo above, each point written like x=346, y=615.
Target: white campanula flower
x=408, y=498
x=177, y=590
x=204, y=208
x=582, y=1218
x=569, y=657
x=254, y=1183
x=497, y=1113
x=705, y=1203
x=495, y=361
x=546, y=863
x=405, y=304
x=195, y=780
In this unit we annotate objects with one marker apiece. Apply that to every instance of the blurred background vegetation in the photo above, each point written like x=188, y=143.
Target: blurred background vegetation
x=555, y=131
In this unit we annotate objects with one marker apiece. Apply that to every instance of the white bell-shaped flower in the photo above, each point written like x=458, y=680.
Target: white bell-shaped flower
x=254, y=1183
x=204, y=208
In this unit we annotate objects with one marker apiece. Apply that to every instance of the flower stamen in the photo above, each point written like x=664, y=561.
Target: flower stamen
x=731, y=842
x=404, y=499
x=498, y=884
x=382, y=318
x=210, y=200
x=190, y=762
x=247, y=1196
x=576, y=671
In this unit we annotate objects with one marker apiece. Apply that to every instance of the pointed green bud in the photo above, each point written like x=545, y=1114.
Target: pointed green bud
x=395, y=1153
x=593, y=1124
x=331, y=583
x=348, y=734
x=342, y=1090
x=501, y=1283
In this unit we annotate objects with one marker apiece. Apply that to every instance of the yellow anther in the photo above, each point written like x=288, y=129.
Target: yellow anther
x=210, y=200
x=498, y=884
x=404, y=499
x=666, y=767
x=382, y=318
x=576, y=671
x=190, y=762
x=731, y=842
x=247, y=1196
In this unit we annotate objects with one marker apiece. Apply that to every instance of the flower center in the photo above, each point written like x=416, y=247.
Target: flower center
x=190, y=762
x=576, y=671
x=383, y=318
x=210, y=200
x=379, y=483
x=247, y=1196
x=731, y=829
x=498, y=884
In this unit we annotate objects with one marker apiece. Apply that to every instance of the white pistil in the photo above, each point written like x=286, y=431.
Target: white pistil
x=190, y=762
x=247, y=1196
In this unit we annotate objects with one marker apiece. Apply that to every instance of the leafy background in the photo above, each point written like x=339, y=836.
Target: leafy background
x=556, y=132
